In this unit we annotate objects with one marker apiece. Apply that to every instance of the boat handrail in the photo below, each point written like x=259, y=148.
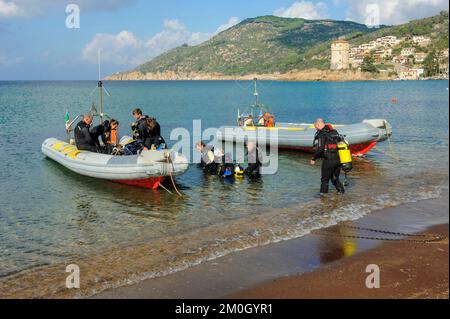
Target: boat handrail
x=68, y=126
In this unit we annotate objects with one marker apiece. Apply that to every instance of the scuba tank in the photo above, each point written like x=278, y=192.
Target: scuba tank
x=238, y=171
x=345, y=156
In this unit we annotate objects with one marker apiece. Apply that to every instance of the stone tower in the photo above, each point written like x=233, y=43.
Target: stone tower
x=340, y=51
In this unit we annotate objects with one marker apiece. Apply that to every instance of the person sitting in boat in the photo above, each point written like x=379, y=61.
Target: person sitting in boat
x=139, y=127
x=254, y=160
x=207, y=160
x=153, y=139
x=98, y=132
x=248, y=121
x=111, y=137
x=269, y=120
x=261, y=121
x=84, y=139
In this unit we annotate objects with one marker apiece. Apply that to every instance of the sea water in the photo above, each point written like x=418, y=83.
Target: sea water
x=51, y=217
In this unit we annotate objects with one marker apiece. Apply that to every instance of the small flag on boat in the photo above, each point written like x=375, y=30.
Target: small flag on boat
x=67, y=118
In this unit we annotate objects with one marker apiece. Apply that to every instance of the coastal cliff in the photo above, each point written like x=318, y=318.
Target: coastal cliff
x=295, y=75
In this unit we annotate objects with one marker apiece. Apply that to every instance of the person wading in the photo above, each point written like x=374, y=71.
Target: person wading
x=325, y=142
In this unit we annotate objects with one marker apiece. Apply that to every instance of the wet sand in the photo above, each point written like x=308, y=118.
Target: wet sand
x=407, y=270
x=316, y=266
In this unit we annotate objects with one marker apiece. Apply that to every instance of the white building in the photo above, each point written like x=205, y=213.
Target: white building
x=410, y=74
x=400, y=59
x=408, y=51
x=419, y=57
x=390, y=40
x=421, y=40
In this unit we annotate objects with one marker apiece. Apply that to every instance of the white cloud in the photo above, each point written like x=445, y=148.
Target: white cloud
x=10, y=9
x=126, y=50
x=121, y=49
x=394, y=11
x=27, y=8
x=304, y=9
x=8, y=61
x=231, y=23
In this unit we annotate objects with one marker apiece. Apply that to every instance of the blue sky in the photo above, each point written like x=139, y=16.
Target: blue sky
x=36, y=44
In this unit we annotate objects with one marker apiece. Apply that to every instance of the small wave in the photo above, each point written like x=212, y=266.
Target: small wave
x=164, y=256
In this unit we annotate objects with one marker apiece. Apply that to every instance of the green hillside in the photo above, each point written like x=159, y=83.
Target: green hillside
x=272, y=44
x=261, y=45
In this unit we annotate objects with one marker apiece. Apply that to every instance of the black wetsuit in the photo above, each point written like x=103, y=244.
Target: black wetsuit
x=208, y=165
x=225, y=163
x=140, y=133
x=254, y=163
x=325, y=141
x=99, y=132
x=83, y=138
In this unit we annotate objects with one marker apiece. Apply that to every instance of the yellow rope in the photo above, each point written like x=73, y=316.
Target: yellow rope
x=171, y=176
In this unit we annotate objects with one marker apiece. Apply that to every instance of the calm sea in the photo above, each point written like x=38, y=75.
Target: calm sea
x=51, y=217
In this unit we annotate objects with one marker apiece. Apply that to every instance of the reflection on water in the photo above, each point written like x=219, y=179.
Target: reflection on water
x=333, y=248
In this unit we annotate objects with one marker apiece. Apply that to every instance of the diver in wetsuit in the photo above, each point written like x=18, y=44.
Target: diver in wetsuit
x=83, y=137
x=325, y=141
x=254, y=160
x=153, y=134
x=225, y=165
x=139, y=127
x=100, y=131
x=207, y=160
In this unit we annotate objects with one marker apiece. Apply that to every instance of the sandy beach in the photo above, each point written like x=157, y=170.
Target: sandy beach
x=317, y=266
x=407, y=270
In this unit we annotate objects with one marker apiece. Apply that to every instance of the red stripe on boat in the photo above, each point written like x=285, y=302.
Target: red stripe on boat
x=152, y=182
x=362, y=149
x=355, y=149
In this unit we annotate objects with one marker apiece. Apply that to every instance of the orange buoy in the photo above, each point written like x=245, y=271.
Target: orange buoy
x=394, y=100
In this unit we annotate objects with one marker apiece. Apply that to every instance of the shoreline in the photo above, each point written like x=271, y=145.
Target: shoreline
x=311, y=75
x=407, y=271
x=246, y=274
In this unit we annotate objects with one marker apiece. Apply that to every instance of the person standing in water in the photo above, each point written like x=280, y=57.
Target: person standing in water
x=207, y=158
x=254, y=160
x=325, y=142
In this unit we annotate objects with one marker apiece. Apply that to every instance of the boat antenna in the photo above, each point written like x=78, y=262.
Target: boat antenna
x=255, y=93
x=100, y=87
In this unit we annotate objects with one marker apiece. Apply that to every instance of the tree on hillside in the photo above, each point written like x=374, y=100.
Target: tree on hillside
x=368, y=64
x=431, y=64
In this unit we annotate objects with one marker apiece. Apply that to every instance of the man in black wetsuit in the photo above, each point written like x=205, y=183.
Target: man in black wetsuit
x=207, y=159
x=254, y=160
x=140, y=126
x=153, y=134
x=325, y=142
x=83, y=138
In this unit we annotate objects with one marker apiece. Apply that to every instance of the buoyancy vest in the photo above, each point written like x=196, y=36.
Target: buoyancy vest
x=269, y=120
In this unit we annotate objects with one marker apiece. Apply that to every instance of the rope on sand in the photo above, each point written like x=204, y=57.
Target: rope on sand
x=425, y=238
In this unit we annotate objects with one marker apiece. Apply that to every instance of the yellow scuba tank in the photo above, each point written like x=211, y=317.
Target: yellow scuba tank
x=345, y=156
x=238, y=171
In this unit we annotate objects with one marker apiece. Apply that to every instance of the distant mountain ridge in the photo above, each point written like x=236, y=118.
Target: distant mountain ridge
x=266, y=45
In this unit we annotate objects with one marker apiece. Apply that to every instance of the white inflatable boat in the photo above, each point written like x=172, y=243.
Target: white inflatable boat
x=147, y=169
x=362, y=137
